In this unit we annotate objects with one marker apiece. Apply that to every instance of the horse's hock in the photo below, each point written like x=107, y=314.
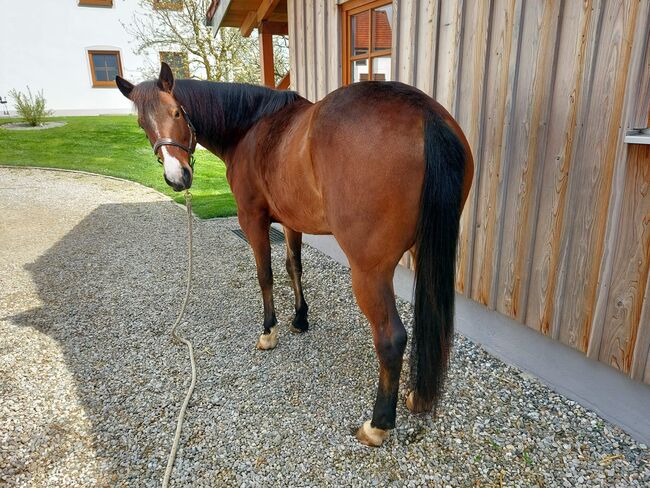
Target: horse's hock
x=91, y=382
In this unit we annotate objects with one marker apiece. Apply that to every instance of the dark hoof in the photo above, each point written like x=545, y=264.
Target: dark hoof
x=299, y=326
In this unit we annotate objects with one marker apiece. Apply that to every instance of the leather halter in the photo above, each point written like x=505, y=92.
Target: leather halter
x=166, y=141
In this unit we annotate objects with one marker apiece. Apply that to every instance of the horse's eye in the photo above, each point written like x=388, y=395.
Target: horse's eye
x=177, y=114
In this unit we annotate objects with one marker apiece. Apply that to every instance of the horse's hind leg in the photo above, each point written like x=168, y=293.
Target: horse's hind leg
x=376, y=297
x=294, y=268
x=256, y=228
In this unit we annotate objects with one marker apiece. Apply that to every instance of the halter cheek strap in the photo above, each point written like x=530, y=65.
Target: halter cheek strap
x=166, y=141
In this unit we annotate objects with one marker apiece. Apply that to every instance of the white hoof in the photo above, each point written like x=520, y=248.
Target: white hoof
x=268, y=341
x=371, y=436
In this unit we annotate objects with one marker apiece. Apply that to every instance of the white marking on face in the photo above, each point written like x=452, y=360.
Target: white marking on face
x=173, y=167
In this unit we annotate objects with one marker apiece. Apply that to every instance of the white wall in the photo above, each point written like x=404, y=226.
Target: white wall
x=44, y=44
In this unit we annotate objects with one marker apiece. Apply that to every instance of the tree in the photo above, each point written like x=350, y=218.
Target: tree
x=228, y=56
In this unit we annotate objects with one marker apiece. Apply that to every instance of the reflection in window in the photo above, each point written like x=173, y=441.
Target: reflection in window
x=369, y=37
x=360, y=70
x=381, y=68
x=382, y=34
x=359, y=25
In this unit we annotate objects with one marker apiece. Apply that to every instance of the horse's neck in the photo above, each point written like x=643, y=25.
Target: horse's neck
x=230, y=111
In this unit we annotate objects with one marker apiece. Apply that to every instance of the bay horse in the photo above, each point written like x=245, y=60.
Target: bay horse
x=379, y=165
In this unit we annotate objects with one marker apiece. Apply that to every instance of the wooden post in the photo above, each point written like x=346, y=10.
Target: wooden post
x=266, y=59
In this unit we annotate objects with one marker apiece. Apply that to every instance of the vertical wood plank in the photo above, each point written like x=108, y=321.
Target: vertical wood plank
x=334, y=48
x=471, y=80
x=575, y=48
x=632, y=98
x=631, y=264
x=494, y=119
x=406, y=43
x=293, y=45
x=529, y=132
x=321, y=48
x=507, y=146
x=590, y=188
x=640, y=92
x=641, y=355
x=310, y=50
x=301, y=60
x=396, y=42
x=448, y=53
x=427, y=34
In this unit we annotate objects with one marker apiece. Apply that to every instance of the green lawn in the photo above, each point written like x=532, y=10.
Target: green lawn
x=114, y=145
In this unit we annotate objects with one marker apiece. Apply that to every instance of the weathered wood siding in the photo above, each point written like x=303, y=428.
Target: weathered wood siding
x=556, y=231
x=315, y=47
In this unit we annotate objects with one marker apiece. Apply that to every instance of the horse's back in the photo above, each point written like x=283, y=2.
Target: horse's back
x=367, y=149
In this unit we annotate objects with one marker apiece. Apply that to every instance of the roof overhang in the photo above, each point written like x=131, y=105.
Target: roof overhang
x=247, y=14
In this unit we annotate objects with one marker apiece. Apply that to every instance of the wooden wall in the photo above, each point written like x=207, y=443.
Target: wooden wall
x=556, y=232
x=315, y=47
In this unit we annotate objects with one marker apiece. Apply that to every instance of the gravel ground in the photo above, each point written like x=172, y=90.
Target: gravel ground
x=91, y=277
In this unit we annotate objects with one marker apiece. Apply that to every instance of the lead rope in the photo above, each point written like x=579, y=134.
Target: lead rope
x=176, y=337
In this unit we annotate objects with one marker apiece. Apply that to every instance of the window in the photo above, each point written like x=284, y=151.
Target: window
x=177, y=62
x=168, y=4
x=104, y=66
x=97, y=3
x=367, y=37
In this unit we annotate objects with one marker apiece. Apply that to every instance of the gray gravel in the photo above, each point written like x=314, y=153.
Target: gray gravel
x=91, y=277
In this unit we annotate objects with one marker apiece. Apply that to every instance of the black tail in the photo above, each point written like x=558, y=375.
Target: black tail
x=435, y=259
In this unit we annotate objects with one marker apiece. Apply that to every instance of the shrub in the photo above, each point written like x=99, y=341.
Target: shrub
x=30, y=107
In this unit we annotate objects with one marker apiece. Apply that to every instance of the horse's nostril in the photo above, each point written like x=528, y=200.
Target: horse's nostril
x=187, y=177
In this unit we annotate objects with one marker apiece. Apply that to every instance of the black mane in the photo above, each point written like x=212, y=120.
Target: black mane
x=220, y=112
x=229, y=107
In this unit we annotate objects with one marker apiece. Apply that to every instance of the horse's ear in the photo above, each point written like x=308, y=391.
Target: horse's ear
x=125, y=86
x=165, y=78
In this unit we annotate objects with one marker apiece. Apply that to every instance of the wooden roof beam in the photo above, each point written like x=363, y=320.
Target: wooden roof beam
x=250, y=22
x=275, y=28
x=253, y=19
x=266, y=9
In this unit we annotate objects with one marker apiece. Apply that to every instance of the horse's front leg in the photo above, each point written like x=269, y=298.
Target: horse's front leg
x=256, y=228
x=294, y=268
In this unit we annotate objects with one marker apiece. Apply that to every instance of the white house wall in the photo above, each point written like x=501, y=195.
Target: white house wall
x=44, y=45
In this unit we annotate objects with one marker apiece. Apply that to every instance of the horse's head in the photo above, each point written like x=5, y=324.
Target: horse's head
x=166, y=124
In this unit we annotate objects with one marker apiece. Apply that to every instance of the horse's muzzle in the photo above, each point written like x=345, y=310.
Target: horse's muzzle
x=185, y=185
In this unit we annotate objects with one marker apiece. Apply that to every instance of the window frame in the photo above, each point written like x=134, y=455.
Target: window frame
x=348, y=9
x=98, y=83
x=95, y=3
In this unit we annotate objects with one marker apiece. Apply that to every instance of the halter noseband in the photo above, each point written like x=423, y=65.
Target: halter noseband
x=166, y=141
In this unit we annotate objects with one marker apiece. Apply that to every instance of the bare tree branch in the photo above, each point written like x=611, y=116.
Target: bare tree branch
x=225, y=57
